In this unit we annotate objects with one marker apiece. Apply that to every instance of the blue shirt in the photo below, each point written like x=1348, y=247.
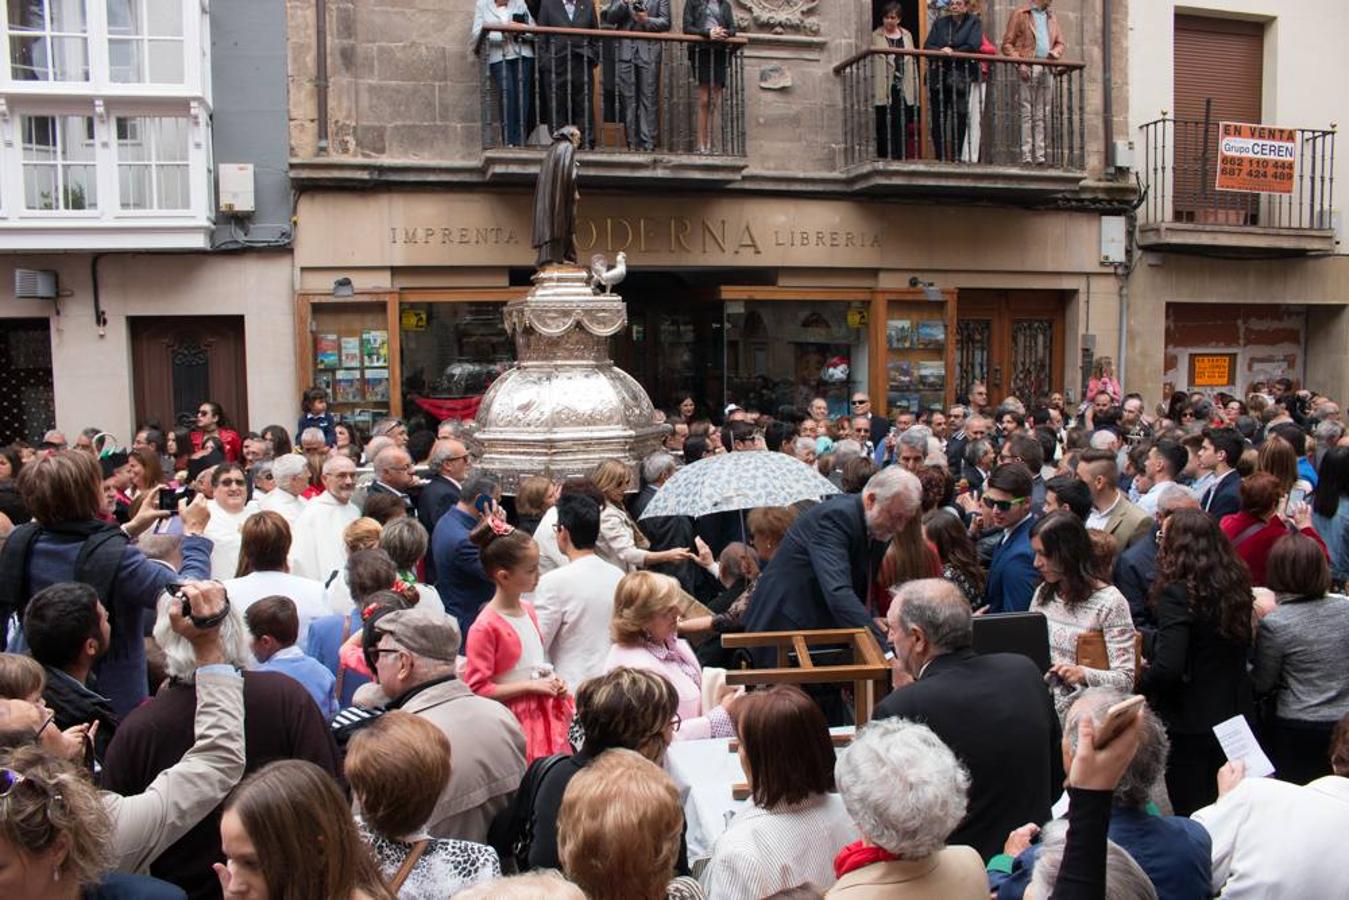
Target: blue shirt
x=311, y=673
x=1174, y=852
x=325, y=423
x=324, y=643
x=1040, y=19
x=1306, y=471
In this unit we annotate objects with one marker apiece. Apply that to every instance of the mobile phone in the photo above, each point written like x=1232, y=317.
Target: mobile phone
x=1296, y=497
x=520, y=19
x=1117, y=718
x=168, y=500
x=483, y=503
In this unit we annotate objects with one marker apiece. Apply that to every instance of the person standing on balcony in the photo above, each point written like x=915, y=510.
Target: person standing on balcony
x=1033, y=33
x=637, y=69
x=510, y=61
x=948, y=85
x=712, y=19
x=565, y=65
x=895, y=85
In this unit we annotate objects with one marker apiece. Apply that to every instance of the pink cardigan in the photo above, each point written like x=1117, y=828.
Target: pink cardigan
x=693, y=724
x=494, y=649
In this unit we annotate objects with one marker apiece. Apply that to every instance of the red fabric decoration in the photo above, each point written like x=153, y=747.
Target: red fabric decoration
x=858, y=855
x=453, y=408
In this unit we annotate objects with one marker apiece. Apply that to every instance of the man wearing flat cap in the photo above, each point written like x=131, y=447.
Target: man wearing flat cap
x=415, y=665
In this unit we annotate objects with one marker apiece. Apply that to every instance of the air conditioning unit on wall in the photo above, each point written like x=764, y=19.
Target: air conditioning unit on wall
x=34, y=284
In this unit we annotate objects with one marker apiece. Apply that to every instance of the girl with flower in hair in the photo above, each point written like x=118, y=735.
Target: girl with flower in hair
x=505, y=650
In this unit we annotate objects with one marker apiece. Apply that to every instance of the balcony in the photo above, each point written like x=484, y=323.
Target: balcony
x=941, y=124
x=1184, y=211
x=675, y=130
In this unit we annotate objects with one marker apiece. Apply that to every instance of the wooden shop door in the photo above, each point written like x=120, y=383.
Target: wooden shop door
x=179, y=361
x=1010, y=340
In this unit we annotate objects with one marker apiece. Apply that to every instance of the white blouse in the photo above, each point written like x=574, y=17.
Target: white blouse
x=765, y=851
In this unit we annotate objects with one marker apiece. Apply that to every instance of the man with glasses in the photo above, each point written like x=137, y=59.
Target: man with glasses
x=289, y=477
x=393, y=429
x=1011, y=576
x=1022, y=448
x=394, y=475
x=448, y=465
x=318, y=549
x=861, y=406
x=414, y=664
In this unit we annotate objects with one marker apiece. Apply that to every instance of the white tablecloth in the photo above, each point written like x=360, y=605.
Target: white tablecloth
x=704, y=772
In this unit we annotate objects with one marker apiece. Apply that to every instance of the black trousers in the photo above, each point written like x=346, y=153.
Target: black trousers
x=948, y=91
x=565, y=86
x=1192, y=771
x=1300, y=751
x=892, y=127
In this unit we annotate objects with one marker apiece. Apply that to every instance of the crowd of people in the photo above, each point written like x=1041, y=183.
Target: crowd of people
x=344, y=665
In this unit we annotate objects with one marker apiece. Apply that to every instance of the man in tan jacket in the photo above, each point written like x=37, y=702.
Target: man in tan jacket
x=415, y=665
x=1111, y=511
x=1033, y=33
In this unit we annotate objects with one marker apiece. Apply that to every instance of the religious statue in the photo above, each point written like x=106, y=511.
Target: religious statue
x=555, y=198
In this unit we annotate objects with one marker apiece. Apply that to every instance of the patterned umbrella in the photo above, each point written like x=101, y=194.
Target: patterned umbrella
x=740, y=480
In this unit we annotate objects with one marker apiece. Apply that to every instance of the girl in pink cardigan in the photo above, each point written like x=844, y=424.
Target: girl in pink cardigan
x=505, y=652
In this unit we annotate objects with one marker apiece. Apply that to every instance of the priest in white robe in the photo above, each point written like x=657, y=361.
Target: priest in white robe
x=318, y=550
x=290, y=474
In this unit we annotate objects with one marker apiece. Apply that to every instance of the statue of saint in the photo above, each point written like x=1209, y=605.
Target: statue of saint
x=555, y=198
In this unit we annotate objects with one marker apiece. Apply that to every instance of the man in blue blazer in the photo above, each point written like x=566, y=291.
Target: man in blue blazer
x=1011, y=576
x=460, y=580
x=821, y=575
x=1221, y=450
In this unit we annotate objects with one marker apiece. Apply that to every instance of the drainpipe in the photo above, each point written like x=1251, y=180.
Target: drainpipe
x=1107, y=86
x=321, y=75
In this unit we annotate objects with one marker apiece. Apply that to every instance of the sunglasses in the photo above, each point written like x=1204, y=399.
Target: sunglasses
x=1001, y=505
x=231, y=482
x=860, y=402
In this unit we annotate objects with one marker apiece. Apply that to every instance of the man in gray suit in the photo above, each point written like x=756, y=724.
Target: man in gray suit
x=637, y=68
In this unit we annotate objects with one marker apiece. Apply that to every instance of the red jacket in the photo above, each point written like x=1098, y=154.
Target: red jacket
x=1254, y=550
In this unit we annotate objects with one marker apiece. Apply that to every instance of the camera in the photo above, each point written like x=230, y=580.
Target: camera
x=639, y=6
x=175, y=589
x=168, y=500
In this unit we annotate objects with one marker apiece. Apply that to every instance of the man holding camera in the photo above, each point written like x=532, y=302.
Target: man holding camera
x=637, y=68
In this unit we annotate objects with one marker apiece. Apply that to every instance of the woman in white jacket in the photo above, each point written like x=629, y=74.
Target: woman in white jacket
x=510, y=61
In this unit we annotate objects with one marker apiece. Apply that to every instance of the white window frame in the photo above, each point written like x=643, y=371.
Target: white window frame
x=48, y=34
x=196, y=59
x=153, y=164
x=144, y=40
x=60, y=163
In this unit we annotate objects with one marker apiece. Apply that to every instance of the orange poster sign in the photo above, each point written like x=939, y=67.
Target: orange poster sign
x=1256, y=158
x=1212, y=370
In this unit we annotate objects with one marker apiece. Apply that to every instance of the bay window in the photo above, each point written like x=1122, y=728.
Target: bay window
x=48, y=40
x=59, y=171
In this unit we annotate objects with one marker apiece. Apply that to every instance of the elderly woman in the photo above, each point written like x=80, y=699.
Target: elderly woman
x=1254, y=529
x=406, y=541
x=1299, y=659
x=646, y=616
x=633, y=709
x=230, y=507
x=619, y=829
x=1074, y=601
x=906, y=791
x=788, y=833
x=397, y=766
x=621, y=541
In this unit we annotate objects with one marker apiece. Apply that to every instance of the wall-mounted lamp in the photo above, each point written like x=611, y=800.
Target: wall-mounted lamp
x=930, y=289
x=342, y=287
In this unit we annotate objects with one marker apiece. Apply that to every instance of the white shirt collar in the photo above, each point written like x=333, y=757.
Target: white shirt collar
x=1105, y=513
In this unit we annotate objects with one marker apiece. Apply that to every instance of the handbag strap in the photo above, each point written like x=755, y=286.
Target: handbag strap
x=341, y=669
x=418, y=848
x=1249, y=532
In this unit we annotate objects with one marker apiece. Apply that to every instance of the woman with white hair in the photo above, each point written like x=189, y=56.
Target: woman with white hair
x=906, y=791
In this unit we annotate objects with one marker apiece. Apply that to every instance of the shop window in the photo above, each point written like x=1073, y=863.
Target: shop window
x=58, y=163
x=351, y=360
x=152, y=163
x=915, y=351
x=451, y=354
x=48, y=40
x=145, y=41
x=785, y=353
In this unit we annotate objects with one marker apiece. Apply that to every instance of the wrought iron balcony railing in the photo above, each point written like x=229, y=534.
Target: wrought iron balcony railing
x=930, y=106
x=626, y=91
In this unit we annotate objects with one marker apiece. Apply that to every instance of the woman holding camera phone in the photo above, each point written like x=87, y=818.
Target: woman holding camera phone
x=714, y=20
x=510, y=61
